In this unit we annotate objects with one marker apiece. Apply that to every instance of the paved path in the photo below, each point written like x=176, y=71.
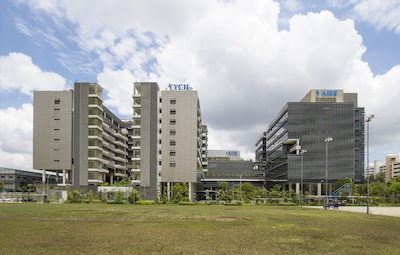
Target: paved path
x=377, y=210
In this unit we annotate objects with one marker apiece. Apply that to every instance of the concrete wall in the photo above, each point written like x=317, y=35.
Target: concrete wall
x=52, y=130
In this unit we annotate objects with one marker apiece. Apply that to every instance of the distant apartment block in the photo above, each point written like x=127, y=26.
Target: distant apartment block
x=392, y=166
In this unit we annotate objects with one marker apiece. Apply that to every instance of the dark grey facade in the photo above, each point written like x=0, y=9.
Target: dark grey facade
x=304, y=126
x=231, y=171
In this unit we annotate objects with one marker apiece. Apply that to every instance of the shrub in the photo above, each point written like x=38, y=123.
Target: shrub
x=287, y=203
x=145, y=202
x=187, y=203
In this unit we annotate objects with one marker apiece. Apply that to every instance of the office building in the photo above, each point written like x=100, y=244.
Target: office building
x=76, y=136
x=305, y=125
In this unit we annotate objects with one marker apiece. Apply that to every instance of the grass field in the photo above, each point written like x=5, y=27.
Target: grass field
x=172, y=229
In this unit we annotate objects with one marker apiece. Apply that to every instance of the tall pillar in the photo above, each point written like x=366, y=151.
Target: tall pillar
x=64, y=178
x=190, y=191
x=297, y=188
x=44, y=176
x=169, y=190
x=319, y=189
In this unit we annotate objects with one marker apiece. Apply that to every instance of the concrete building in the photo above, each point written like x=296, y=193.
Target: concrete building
x=76, y=136
x=223, y=154
x=392, y=166
x=374, y=169
x=225, y=170
x=182, y=138
x=305, y=125
x=168, y=136
x=145, y=137
x=19, y=180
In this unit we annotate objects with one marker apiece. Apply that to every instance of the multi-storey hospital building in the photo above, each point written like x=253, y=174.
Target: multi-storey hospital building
x=165, y=141
x=316, y=141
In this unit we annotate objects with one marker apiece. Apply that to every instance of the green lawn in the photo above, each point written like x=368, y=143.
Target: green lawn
x=172, y=229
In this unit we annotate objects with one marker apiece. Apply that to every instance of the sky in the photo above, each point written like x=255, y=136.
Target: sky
x=246, y=59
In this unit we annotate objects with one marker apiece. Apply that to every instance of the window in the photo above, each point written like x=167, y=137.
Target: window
x=172, y=122
x=56, y=139
x=57, y=101
x=172, y=142
x=56, y=109
x=172, y=153
x=172, y=132
x=56, y=129
x=172, y=101
x=159, y=152
x=172, y=112
x=172, y=164
x=56, y=119
x=56, y=160
x=56, y=149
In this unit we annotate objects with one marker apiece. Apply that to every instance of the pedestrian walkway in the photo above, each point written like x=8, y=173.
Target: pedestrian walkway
x=375, y=210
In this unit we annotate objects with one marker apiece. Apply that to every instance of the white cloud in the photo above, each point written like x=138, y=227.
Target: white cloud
x=18, y=72
x=381, y=14
x=16, y=137
x=119, y=85
x=233, y=53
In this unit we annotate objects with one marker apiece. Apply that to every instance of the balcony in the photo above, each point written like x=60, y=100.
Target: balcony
x=121, y=136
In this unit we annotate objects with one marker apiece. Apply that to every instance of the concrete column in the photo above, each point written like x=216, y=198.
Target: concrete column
x=169, y=190
x=190, y=191
x=319, y=189
x=44, y=176
x=298, y=188
x=64, y=179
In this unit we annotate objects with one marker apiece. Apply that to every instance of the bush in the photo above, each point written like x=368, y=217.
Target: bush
x=187, y=203
x=145, y=202
x=234, y=204
x=287, y=203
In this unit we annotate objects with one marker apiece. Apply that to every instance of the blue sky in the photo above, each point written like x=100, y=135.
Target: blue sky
x=259, y=54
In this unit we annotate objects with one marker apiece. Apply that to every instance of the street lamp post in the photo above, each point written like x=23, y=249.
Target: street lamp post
x=368, y=120
x=327, y=140
x=351, y=189
x=240, y=187
x=302, y=172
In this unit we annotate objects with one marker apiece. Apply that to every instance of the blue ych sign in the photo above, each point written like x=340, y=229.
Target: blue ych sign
x=178, y=86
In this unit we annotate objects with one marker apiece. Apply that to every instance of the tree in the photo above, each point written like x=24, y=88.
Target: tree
x=133, y=196
x=224, y=185
x=1, y=185
x=394, y=185
x=341, y=182
x=179, y=192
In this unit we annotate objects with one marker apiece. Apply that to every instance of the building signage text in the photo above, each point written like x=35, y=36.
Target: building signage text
x=327, y=93
x=178, y=86
x=231, y=153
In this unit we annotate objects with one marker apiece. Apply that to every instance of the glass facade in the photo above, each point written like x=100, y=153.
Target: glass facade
x=305, y=125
